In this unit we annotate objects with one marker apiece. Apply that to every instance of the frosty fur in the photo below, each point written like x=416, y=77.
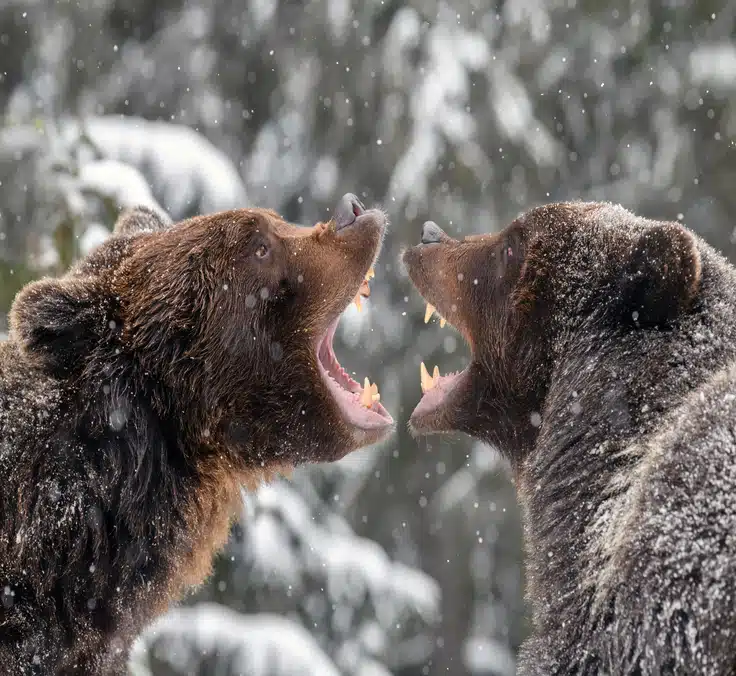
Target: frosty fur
x=604, y=369
x=137, y=394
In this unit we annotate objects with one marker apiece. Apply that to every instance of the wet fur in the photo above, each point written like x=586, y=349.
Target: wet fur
x=137, y=395
x=607, y=375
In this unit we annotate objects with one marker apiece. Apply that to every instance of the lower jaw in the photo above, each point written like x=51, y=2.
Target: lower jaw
x=362, y=419
x=356, y=439
x=430, y=414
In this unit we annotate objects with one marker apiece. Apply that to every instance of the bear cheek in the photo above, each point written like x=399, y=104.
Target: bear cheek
x=418, y=265
x=320, y=282
x=465, y=289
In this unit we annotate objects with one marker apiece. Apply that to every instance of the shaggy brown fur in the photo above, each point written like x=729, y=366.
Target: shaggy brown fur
x=604, y=368
x=137, y=394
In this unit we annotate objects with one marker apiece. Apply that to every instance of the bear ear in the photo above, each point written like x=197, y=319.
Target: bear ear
x=58, y=321
x=661, y=276
x=141, y=219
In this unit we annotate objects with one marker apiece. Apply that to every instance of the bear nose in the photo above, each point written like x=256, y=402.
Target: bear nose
x=348, y=209
x=432, y=233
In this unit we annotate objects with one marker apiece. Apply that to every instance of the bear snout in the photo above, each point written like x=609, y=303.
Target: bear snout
x=347, y=211
x=432, y=233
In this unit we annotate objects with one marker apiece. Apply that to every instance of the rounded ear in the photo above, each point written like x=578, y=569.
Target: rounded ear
x=661, y=275
x=58, y=321
x=141, y=219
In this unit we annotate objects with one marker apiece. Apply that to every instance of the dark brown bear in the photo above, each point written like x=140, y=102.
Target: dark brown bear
x=140, y=391
x=603, y=367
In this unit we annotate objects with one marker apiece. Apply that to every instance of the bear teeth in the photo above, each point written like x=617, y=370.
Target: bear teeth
x=431, y=309
x=426, y=381
x=364, y=291
x=370, y=394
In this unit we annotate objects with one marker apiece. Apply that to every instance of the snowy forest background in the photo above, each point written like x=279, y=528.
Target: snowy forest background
x=403, y=559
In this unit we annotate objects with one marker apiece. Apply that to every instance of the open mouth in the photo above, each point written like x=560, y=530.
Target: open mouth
x=436, y=388
x=359, y=404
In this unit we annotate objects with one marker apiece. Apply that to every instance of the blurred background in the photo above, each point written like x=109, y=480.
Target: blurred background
x=404, y=559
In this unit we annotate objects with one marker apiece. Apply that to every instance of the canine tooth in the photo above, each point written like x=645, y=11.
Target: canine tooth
x=358, y=302
x=435, y=374
x=374, y=389
x=366, y=396
x=427, y=382
x=370, y=274
x=443, y=321
x=429, y=312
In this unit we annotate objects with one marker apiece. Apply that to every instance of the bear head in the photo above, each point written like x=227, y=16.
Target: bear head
x=221, y=326
x=520, y=295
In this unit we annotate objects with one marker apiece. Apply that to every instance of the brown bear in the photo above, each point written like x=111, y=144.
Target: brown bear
x=604, y=368
x=140, y=391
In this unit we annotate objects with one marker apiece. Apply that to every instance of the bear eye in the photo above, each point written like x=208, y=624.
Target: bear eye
x=262, y=251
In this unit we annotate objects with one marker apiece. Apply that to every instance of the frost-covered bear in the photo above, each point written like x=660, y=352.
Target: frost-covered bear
x=140, y=391
x=603, y=367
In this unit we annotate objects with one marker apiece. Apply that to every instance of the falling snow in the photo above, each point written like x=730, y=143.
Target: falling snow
x=404, y=558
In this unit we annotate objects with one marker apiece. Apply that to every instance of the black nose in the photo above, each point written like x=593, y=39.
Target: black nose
x=432, y=233
x=348, y=209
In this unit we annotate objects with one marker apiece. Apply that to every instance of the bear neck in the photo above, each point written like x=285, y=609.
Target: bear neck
x=611, y=389
x=160, y=465
x=144, y=500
